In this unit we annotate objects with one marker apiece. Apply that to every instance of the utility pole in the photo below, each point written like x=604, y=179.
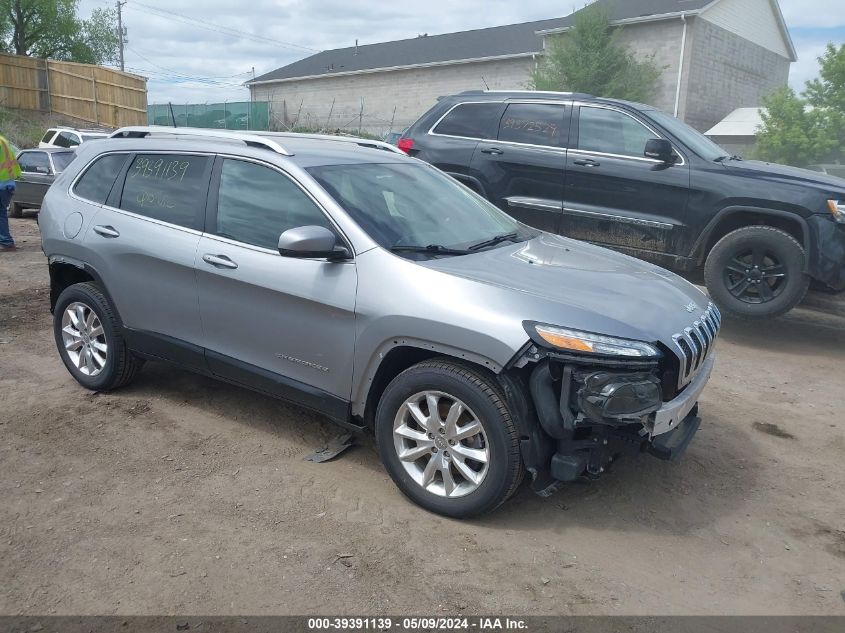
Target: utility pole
x=121, y=34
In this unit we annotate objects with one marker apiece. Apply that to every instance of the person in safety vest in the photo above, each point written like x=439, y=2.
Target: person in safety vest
x=9, y=172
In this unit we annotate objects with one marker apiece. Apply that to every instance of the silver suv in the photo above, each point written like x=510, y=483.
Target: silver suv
x=346, y=277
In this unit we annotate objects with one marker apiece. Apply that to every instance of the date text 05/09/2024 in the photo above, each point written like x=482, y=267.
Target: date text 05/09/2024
x=417, y=624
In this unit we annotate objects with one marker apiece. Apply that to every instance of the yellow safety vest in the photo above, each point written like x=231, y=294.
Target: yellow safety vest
x=9, y=168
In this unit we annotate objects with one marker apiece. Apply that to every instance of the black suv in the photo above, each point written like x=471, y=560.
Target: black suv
x=630, y=177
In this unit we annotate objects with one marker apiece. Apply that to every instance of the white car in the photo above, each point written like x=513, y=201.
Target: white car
x=69, y=137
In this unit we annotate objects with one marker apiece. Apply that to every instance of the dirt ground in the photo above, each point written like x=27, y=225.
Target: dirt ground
x=180, y=495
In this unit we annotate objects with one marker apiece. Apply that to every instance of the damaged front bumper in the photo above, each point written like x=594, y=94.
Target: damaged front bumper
x=581, y=416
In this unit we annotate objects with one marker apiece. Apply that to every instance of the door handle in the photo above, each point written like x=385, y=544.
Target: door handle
x=587, y=162
x=495, y=151
x=219, y=261
x=106, y=231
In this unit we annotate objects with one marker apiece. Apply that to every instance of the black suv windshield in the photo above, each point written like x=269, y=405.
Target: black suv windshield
x=408, y=206
x=693, y=139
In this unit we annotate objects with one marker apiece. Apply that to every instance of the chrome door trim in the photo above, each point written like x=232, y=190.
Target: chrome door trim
x=540, y=204
x=619, y=218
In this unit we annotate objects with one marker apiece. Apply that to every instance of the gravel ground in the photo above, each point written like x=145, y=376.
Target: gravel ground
x=180, y=495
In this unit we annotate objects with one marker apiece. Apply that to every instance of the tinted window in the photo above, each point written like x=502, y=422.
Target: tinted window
x=472, y=120
x=532, y=123
x=48, y=136
x=66, y=139
x=62, y=159
x=97, y=181
x=170, y=188
x=34, y=162
x=611, y=132
x=257, y=204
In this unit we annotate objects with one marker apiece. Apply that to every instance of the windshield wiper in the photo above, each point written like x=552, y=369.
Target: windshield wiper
x=434, y=249
x=722, y=159
x=506, y=237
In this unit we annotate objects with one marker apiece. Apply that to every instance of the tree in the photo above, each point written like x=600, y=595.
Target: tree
x=589, y=58
x=791, y=135
x=795, y=134
x=52, y=29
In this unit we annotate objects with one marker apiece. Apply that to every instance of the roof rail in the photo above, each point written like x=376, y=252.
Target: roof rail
x=253, y=140
x=361, y=142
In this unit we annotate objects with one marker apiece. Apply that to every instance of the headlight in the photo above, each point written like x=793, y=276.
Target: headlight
x=577, y=341
x=837, y=208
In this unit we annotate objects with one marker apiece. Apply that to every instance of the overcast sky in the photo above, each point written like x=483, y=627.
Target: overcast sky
x=201, y=52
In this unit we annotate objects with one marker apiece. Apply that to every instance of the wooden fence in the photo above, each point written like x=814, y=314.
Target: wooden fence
x=92, y=94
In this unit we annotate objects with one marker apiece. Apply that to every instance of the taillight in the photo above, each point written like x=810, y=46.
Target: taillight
x=405, y=144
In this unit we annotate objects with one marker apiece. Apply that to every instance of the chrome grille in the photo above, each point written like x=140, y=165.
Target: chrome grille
x=695, y=343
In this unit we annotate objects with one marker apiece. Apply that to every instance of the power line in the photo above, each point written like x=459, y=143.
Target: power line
x=217, y=28
x=185, y=75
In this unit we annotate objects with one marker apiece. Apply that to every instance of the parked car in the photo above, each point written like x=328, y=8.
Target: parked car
x=39, y=168
x=392, y=137
x=69, y=137
x=630, y=177
x=377, y=291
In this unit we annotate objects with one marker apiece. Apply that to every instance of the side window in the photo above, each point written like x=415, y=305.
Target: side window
x=48, y=136
x=170, y=188
x=34, y=162
x=97, y=181
x=533, y=124
x=256, y=204
x=611, y=132
x=472, y=120
x=66, y=139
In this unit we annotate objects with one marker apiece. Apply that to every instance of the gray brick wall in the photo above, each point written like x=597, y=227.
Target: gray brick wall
x=410, y=92
x=725, y=72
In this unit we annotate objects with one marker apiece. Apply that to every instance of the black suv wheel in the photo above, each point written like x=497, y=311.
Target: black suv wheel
x=447, y=439
x=756, y=272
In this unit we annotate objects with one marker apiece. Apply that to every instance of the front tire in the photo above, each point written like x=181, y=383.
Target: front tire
x=756, y=272
x=447, y=439
x=88, y=337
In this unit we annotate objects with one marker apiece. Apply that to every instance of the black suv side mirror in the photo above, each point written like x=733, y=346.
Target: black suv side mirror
x=660, y=149
x=311, y=242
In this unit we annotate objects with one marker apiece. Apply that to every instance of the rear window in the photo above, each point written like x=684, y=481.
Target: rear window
x=62, y=159
x=97, y=181
x=48, y=136
x=471, y=120
x=167, y=187
x=34, y=163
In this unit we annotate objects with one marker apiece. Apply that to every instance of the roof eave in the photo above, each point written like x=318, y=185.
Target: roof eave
x=640, y=19
x=383, y=69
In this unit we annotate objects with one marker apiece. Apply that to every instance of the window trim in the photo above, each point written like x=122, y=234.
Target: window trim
x=213, y=198
x=603, y=106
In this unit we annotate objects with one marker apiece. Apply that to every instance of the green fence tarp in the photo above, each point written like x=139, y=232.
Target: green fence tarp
x=233, y=115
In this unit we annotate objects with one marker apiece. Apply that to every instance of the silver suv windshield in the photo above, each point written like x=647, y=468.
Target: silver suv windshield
x=693, y=139
x=414, y=208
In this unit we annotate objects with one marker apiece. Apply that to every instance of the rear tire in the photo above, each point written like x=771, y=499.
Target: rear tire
x=15, y=210
x=88, y=337
x=463, y=460
x=756, y=272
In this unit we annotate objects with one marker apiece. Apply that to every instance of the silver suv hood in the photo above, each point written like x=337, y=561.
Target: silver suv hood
x=570, y=283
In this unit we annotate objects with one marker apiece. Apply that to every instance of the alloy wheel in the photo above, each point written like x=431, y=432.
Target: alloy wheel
x=84, y=339
x=755, y=275
x=441, y=444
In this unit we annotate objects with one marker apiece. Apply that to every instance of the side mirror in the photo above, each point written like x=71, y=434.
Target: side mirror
x=660, y=149
x=311, y=242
